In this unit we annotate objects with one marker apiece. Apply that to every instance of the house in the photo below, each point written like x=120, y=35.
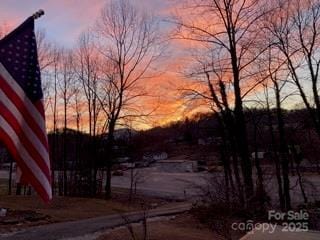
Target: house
x=155, y=156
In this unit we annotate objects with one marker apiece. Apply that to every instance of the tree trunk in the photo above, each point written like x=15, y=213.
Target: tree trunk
x=131, y=184
x=10, y=176
x=108, y=182
x=109, y=148
x=260, y=192
x=283, y=149
x=240, y=126
x=276, y=160
x=54, y=140
x=228, y=118
x=65, y=177
x=298, y=159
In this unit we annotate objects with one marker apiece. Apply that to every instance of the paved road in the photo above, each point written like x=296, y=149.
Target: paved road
x=164, y=184
x=87, y=227
x=184, y=185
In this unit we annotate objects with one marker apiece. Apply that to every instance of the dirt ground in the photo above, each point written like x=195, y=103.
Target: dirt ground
x=182, y=227
x=25, y=211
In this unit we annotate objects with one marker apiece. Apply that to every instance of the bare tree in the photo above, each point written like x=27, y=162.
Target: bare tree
x=87, y=71
x=78, y=105
x=128, y=40
x=130, y=227
x=87, y=67
x=277, y=81
x=214, y=89
x=136, y=177
x=51, y=94
x=295, y=28
x=45, y=56
x=66, y=81
x=56, y=59
x=231, y=28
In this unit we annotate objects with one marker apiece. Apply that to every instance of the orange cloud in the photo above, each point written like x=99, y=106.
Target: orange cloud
x=65, y=20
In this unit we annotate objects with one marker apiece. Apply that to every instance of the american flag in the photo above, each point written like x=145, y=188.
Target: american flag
x=22, y=119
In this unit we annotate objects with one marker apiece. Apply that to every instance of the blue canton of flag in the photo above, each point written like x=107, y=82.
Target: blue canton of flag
x=19, y=57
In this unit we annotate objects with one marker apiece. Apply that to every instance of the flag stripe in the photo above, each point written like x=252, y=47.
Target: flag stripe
x=39, y=106
x=25, y=141
x=26, y=110
x=31, y=178
x=27, y=131
x=17, y=118
x=19, y=150
x=19, y=91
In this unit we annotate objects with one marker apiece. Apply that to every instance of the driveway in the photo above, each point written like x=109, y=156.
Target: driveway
x=183, y=186
x=162, y=184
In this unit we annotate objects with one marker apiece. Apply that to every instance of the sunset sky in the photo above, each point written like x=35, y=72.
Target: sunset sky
x=65, y=20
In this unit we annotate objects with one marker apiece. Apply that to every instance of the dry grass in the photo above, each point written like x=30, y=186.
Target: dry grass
x=26, y=211
x=64, y=208
x=3, y=186
x=21, y=208
x=183, y=227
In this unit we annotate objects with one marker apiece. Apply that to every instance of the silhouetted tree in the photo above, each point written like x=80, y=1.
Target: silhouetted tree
x=129, y=43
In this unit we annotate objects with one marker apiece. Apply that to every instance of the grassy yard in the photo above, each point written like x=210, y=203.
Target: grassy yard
x=61, y=208
x=25, y=211
x=64, y=208
x=3, y=186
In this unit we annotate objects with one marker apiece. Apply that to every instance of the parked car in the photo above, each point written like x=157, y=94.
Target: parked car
x=117, y=173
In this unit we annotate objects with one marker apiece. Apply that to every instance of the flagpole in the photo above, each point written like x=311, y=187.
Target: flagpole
x=38, y=14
